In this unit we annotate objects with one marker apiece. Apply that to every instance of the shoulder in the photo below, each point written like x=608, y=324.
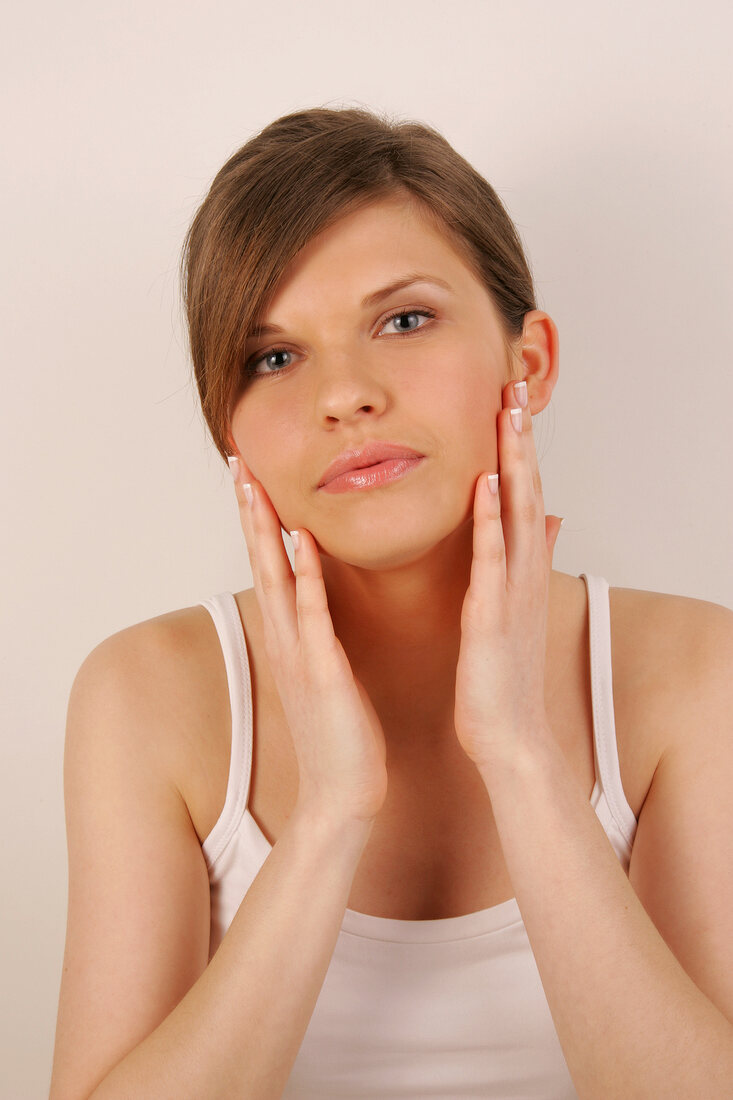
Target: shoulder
x=671, y=654
x=696, y=637
x=165, y=680
x=664, y=632
x=165, y=655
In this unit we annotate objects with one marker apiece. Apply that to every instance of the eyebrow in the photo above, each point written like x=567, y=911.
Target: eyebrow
x=371, y=299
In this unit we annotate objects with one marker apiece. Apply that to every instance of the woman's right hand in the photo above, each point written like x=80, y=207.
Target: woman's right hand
x=338, y=738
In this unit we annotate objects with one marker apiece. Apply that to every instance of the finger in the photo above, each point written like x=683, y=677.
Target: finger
x=511, y=395
x=242, y=486
x=522, y=503
x=315, y=625
x=486, y=590
x=271, y=571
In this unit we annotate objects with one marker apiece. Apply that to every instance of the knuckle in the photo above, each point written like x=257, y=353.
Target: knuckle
x=269, y=583
x=311, y=604
x=495, y=552
x=528, y=510
x=326, y=667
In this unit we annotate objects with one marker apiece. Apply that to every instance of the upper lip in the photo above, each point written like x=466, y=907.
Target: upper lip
x=368, y=455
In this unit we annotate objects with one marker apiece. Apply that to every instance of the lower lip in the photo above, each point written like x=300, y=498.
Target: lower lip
x=370, y=477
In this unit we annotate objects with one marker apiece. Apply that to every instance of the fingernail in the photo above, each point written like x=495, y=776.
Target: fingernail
x=520, y=392
x=296, y=539
x=234, y=466
x=248, y=493
x=493, y=480
x=516, y=415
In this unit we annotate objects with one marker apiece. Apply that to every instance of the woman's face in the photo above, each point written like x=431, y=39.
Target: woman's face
x=348, y=375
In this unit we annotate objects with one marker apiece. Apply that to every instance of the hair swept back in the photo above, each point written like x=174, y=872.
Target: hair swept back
x=293, y=180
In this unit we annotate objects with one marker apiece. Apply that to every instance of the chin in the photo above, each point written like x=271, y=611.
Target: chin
x=387, y=546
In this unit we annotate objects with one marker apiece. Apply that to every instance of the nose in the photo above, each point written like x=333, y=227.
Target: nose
x=347, y=388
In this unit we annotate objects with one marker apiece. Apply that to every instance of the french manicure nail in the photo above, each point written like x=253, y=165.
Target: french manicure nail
x=520, y=392
x=516, y=415
x=234, y=466
x=247, y=488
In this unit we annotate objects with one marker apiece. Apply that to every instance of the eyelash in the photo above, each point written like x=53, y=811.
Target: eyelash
x=253, y=361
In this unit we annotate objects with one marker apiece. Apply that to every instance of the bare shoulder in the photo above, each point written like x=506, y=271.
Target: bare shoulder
x=176, y=664
x=670, y=655
x=179, y=631
x=659, y=633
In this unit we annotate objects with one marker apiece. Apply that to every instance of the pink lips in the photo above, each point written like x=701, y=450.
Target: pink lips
x=369, y=477
x=385, y=460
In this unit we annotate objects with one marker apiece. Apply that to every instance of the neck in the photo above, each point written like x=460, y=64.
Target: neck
x=401, y=630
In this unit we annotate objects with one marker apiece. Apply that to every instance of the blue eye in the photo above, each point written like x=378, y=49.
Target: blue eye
x=261, y=357
x=409, y=313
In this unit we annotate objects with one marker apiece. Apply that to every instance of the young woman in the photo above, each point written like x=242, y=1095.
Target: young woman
x=421, y=816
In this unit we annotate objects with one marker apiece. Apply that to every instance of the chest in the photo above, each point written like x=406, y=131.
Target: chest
x=434, y=851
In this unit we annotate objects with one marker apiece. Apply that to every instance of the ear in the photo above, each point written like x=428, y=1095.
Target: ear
x=539, y=351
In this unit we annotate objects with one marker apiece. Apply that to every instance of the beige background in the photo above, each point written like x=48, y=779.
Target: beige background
x=606, y=129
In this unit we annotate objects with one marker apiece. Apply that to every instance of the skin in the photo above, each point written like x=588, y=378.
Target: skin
x=396, y=561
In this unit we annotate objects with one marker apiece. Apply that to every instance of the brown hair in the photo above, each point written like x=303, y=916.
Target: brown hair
x=295, y=179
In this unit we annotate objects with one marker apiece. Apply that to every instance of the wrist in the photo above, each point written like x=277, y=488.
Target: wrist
x=329, y=824
x=521, y=755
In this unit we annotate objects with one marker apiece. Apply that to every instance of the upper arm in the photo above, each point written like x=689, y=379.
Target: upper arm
x=682, y=858
x=137, y=934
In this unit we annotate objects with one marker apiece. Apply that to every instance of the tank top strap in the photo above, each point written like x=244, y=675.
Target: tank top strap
x=605, y=747
x=225, y=613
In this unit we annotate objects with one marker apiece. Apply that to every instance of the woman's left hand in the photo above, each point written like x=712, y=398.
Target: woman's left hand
x=500, y=676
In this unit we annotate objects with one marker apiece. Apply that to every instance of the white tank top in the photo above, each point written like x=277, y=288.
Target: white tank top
x=440, y=1009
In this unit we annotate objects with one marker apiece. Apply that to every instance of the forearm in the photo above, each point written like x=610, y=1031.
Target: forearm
x=630, y=1021
x=239, y=1028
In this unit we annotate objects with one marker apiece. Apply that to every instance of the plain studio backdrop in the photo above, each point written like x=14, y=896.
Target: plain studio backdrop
x=606, y=130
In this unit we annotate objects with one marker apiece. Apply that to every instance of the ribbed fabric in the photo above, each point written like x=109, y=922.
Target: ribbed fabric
x=440, y=1009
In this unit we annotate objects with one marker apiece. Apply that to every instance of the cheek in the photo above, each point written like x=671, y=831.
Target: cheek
x=465, y=395
x=473, y=410
x=258, y=441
